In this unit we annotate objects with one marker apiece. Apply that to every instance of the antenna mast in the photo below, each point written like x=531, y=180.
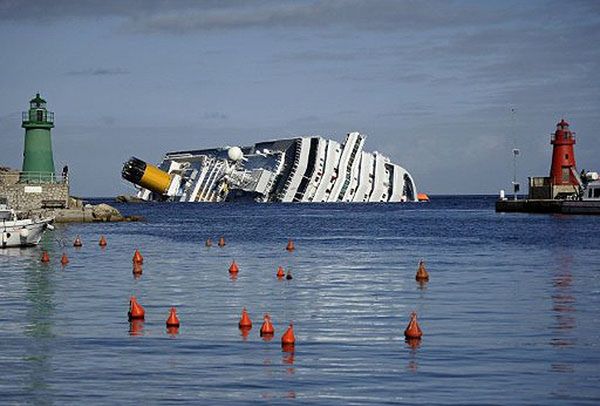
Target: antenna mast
x=515, y=153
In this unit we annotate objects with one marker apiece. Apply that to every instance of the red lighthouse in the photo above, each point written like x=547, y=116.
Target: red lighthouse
x=563, y=171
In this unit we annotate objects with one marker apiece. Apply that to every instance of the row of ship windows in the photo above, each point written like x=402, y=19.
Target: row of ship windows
x=595, y=191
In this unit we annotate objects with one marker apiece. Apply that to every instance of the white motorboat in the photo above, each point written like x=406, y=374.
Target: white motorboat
x=21, y=233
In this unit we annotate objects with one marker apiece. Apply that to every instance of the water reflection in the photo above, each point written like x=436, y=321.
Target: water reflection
x=414, y=344
x=172, y=331
x=136, y=328
x=244, y=331
x=563, y=304
x=39, y=326
x=137, y=271
x=563, y=308
x=288, y=358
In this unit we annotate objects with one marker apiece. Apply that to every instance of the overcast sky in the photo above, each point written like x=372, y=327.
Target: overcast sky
x=432, y=83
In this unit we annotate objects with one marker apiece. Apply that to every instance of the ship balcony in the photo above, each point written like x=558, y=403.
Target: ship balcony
x=37, y=117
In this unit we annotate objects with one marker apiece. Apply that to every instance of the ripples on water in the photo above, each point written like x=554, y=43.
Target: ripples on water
x=510, y=314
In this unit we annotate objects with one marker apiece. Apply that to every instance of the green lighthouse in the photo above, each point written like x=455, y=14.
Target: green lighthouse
x=38, y=163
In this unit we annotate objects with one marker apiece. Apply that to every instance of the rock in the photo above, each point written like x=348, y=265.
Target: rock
x=75, y=203
x=129, y=199
x=104, y=212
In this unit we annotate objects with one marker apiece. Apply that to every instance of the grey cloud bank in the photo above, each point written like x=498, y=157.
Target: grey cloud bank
x=432, y=83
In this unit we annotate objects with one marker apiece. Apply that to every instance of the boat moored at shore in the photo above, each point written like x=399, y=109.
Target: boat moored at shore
x=21, y=232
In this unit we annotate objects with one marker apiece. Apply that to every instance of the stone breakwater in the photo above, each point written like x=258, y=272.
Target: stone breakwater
x=84, y=214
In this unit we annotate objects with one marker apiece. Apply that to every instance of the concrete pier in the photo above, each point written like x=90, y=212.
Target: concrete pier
x=548, y=206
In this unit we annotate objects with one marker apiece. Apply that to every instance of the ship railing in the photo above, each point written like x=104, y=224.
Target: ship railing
x=31, y=177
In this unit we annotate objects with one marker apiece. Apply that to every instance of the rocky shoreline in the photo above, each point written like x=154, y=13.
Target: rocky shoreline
x=100, y=213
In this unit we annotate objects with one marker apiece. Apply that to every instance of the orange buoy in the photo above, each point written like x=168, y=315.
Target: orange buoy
x=136, y=311
x=289, y=276
x=234, y=267
x=245, y=321
x=64, y=260
x=208, y=242
x=77, y=242
x=173, y=320
x=280, y=273
x=290, y=246
x=288, y=339
x=102, y=241
x=45, y=257
x=137, y=270
x=138, y=258
x=221, y=242
x=413, y=330
x=267, y=327
x=422, y=275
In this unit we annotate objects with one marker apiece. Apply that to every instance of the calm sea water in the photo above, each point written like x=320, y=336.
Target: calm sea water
x=510, y=315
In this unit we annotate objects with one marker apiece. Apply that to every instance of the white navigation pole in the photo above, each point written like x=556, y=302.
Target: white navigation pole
x=516, y=153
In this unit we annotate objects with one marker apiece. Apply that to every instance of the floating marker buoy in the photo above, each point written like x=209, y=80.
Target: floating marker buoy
x=138, y=258
x=289, y=276
x=280, y=273
x=413, y=331
x=287, y=339
x=422, y=197
x=77, y=242
x=290, y=246
x=245, y=321
x=45, y=257
x=208, y=242
x=64, y=260
x=267, y=327
x=102, y=241
x=221, y=242
x=173, y=320
x=234, y=267
x=136, y=311
x=422, y=275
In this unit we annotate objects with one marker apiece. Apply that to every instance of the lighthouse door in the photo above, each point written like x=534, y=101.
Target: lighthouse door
x=565, y=174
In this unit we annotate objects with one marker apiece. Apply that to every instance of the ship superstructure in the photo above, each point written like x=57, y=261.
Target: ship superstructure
x=302, y=169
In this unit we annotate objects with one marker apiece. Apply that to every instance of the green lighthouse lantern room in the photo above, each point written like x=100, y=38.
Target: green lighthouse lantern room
x=38, y=162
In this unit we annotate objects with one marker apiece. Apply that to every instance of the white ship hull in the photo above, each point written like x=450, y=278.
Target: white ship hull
x=303, y=169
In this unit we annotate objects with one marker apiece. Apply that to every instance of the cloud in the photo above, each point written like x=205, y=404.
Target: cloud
x=98, y=72
x=187, y=16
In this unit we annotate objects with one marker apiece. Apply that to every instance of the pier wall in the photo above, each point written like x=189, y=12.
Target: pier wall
x=33, y=196
x=548, y=206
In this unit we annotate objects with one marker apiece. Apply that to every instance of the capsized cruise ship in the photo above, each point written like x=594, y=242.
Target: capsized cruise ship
x=302, y=169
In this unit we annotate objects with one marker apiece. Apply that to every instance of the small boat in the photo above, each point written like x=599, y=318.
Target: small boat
x=21, y=233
